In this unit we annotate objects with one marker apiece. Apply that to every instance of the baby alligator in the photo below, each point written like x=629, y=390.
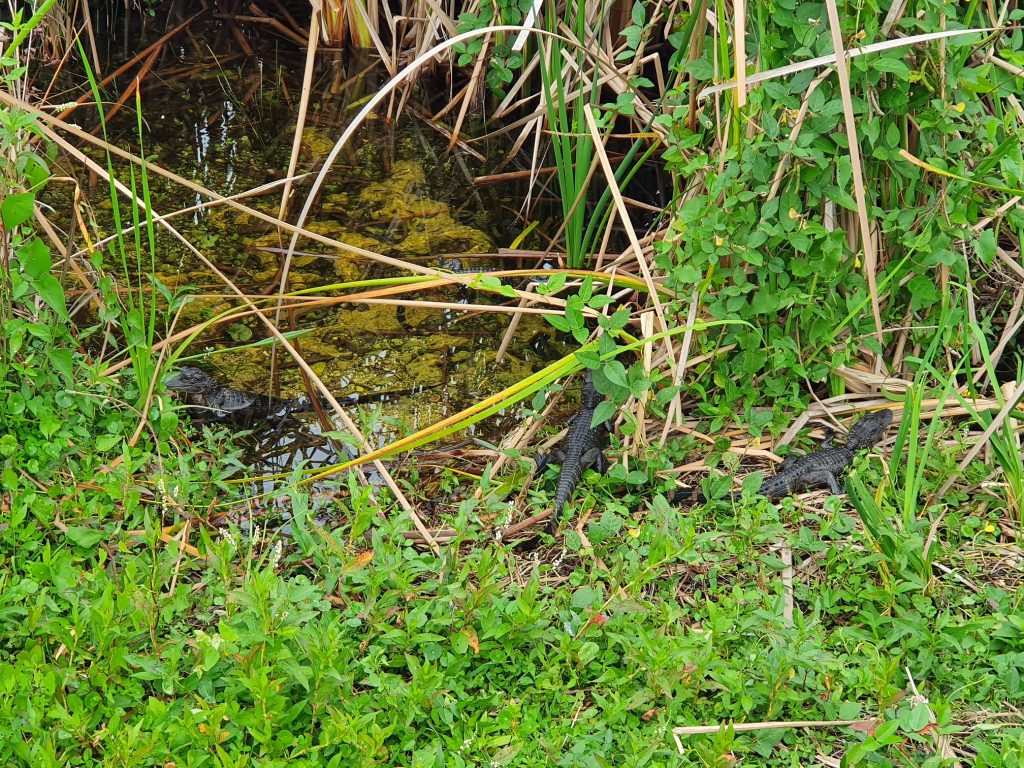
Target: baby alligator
x=207, y=392
x=582, y=447
x=818, y=469
x=223, y=401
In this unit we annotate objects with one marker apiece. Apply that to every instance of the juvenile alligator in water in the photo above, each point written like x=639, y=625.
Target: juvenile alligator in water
x=582, y=447
x=822, y=468
x=455, y=266
x=207, y=392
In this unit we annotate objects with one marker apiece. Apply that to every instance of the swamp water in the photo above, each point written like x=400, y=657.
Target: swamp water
x=388, y=193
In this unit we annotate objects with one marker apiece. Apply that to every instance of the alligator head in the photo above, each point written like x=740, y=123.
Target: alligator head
x=208, y=392
x=193, y=381
x=590, y=397
x=869, y=430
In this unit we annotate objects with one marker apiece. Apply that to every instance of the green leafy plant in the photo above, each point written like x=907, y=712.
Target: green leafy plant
x=571, y=140
x=138, y=314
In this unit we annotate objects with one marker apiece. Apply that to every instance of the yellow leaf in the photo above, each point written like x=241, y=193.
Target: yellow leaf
x=361, y=559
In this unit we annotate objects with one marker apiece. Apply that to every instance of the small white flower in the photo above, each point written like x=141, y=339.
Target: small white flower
x=229, y=538
x=275, y=554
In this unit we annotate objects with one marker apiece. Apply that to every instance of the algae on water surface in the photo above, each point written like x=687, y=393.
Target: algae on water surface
x=388, y=195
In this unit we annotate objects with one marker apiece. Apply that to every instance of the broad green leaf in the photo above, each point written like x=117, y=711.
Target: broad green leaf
x=916, y=719
x=558, y=322
x=618, y=320
x=106, y=442
x=17, y=209
x=85, y=537
x=604, y=411
x=892, y=65
x=584, y=597
x=615, y=372
x=556, y=281
x=587, y=288
x=752, y=482
x=49, y=423
x=62, y=362
x=50, y=291
x=639, y=14
x=985, y=246
x=34, y=258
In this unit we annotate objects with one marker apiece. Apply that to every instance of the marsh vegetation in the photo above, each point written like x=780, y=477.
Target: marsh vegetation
x=425, y=220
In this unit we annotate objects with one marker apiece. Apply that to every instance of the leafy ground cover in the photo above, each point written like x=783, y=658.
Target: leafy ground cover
x=140, y=627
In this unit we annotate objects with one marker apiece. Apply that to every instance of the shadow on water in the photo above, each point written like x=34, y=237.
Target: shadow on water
x=394, y=191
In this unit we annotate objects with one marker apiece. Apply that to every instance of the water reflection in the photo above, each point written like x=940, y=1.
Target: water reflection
x=393, y=192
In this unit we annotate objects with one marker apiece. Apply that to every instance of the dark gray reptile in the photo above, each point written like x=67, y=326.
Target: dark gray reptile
x=582, y=447
x=819, y=469
x=455, y=265
x=221, y=401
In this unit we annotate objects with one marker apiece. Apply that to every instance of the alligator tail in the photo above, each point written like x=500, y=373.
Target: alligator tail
x=690, y=495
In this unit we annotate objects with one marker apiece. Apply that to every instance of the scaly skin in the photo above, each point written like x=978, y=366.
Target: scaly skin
x=582, y=447
x=207, y=392
x=823, y=468
x=227, y=401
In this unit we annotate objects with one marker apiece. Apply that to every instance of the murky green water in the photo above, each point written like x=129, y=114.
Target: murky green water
x=391, y=193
